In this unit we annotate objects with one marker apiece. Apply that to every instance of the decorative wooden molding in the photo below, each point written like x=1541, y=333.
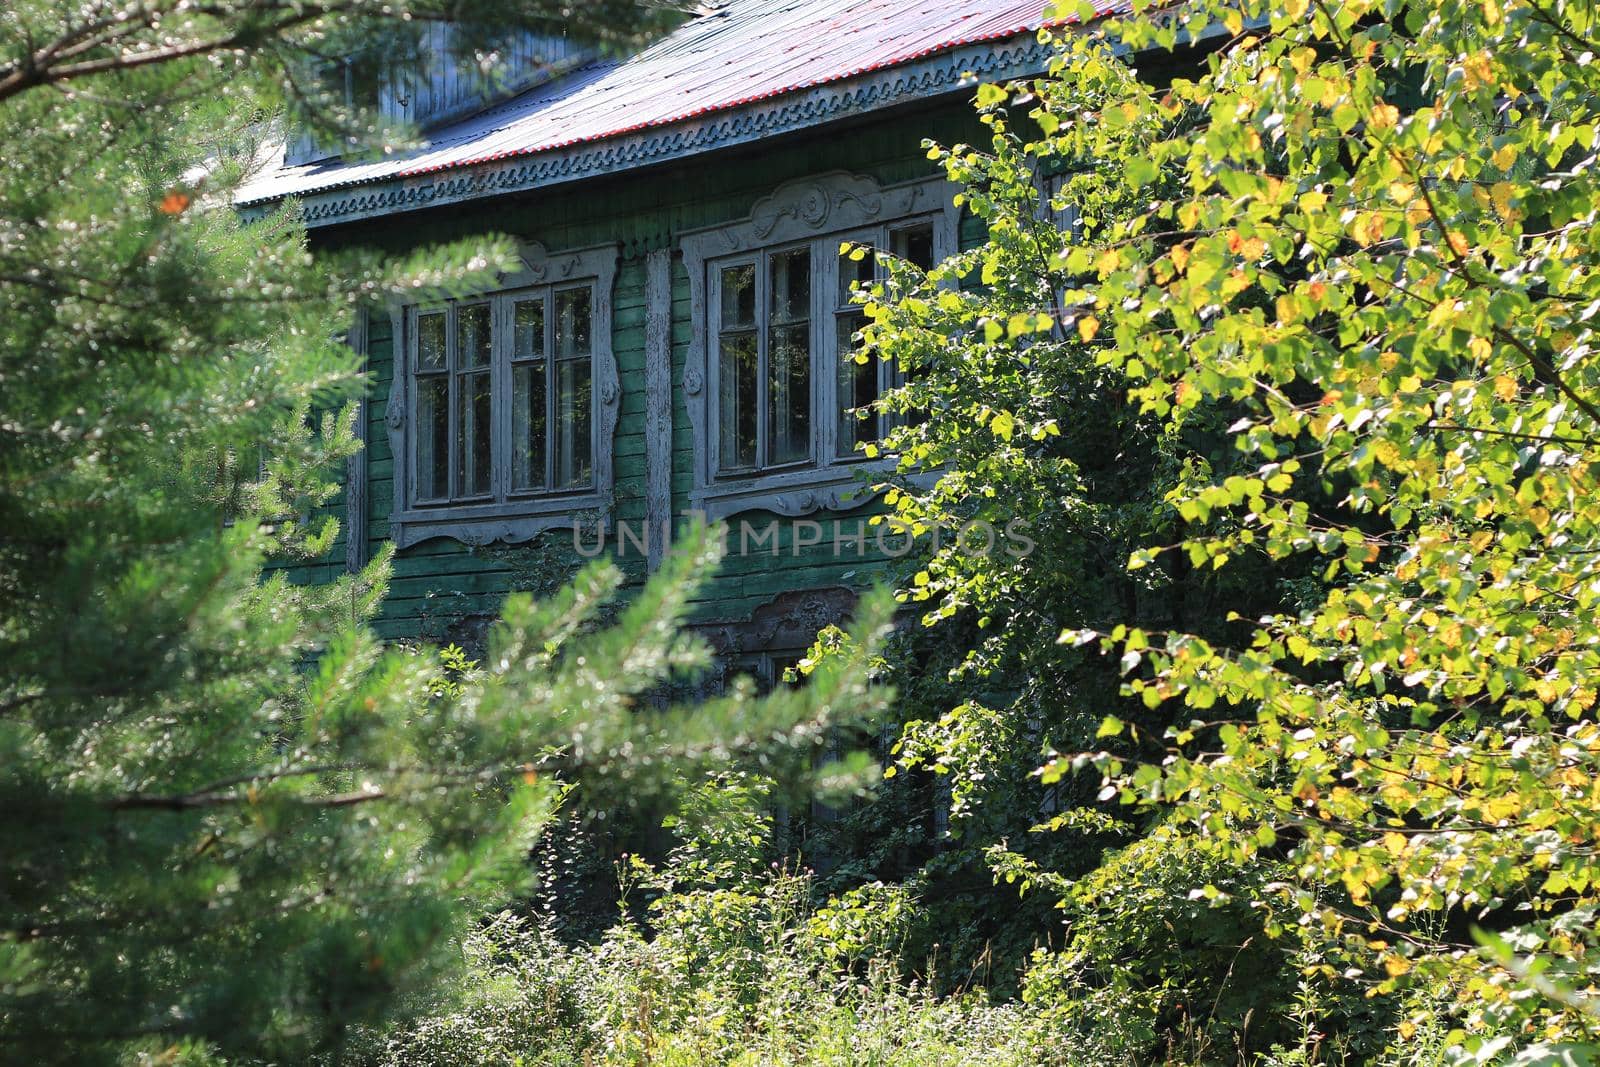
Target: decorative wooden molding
x=658, y=403
x=355, y=482
x=521, y=518
x=835, y=202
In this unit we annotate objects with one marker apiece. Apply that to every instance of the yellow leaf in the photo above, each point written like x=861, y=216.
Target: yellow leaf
x=1505, y=387
x=1505, y=156
x=1384, y=117
x=1501, y=193
x=1478, y=70
x=1088, y=326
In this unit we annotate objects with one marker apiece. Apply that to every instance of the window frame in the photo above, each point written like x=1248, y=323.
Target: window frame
x=817, y=214
x=506, y=513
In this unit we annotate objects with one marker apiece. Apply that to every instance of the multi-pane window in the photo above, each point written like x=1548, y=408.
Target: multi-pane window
x=764, y=350
x=790, y=392
x=503, y=397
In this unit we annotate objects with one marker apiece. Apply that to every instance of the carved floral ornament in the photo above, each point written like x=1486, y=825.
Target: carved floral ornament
x=812, y=202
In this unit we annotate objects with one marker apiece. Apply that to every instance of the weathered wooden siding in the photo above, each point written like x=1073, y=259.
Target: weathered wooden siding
x=442, y=588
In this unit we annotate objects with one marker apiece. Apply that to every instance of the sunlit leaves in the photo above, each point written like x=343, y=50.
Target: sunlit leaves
x=1385, y=254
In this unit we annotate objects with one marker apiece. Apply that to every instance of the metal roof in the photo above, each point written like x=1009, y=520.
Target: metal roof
x=746, y=52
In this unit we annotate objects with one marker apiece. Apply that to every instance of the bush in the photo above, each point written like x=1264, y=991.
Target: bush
x=729, y=963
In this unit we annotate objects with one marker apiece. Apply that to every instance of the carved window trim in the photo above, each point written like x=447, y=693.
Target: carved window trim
x=517, y=518
x=833, y=205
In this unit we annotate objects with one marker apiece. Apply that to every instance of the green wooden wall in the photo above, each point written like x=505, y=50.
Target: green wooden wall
x=442, y=588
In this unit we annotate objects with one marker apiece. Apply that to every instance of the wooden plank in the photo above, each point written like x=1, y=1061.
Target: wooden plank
x=658, y=401
x=355, y=486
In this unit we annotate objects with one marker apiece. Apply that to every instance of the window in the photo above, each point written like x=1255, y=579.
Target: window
x=503, y=431
x=779, y=400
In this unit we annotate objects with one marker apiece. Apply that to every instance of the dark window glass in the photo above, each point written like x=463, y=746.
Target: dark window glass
x=853, y=272
x=789, y=359
x=739, y=297
x=737, y=375
x=574, y=404
x=472, y=434
x=858, y=387
x=789, y=393
x=430, y=341
x=528, y=425
x=527, y=330
x=530, y=398
x=574, y=321
x=914, y=244
x=738, y=368
x=472, y=336
x=433, y=437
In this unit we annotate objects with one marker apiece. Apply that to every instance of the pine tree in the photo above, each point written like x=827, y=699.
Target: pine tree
x=236, y=821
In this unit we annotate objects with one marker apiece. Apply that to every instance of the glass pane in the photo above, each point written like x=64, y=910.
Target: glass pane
x=472, y=434
x=789, y=394
x=737, y=403
x=915, y=244
x=851, y=272
x=472, y=336
x=527, y=329
x=858, y=387
x=528, y=425
x=573, y=408
x=739, y=297
x=430, y=341
x=433, y=437
x=791, y=286
x=573, y=320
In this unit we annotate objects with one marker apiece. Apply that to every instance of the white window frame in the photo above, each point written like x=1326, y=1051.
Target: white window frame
x=507, y=514
x=816, y=213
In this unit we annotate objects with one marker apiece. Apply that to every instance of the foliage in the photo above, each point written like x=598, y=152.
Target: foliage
x=1009, y=423
x=1328, y=293
x=733, y=966
x=1367, y=229
x=237, y=823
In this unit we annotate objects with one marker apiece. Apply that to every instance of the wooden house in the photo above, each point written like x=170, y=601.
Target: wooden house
x=673, y=342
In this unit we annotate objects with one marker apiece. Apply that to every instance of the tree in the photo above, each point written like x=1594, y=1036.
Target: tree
x=235, y=819
x=1365, y=233
x=1368, y=229
x=1012, y=430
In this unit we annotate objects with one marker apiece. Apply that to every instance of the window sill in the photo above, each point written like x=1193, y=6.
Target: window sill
x=835, y=487
x=512, y=522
